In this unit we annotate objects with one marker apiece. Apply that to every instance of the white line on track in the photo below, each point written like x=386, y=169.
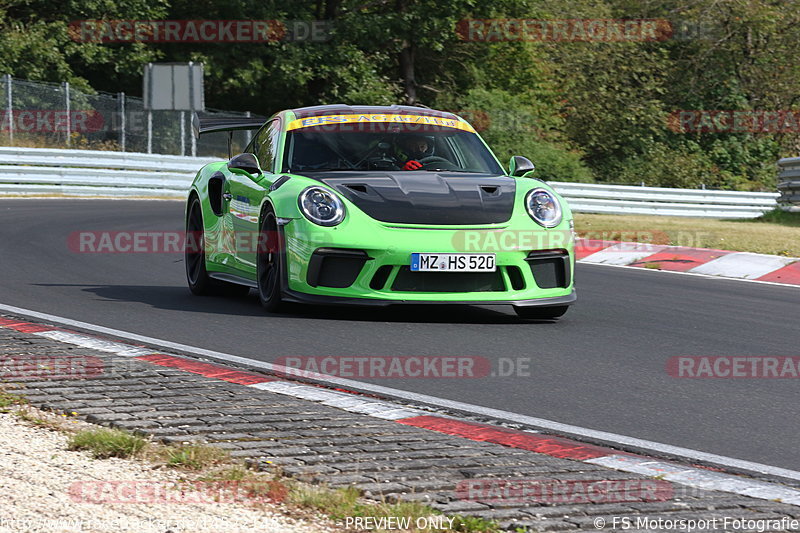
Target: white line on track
x=541, y=423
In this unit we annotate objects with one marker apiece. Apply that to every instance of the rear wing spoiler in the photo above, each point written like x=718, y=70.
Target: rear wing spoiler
x=202, y=125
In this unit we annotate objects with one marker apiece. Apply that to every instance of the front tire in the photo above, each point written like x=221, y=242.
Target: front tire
x=194, y=256
x=268, y=264
x=541, y=313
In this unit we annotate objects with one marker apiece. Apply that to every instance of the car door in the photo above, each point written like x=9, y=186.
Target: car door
x=247, y=192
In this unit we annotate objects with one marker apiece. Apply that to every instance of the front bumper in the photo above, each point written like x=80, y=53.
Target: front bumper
x=370, y=266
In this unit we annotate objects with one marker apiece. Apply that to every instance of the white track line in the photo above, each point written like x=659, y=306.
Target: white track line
x=611, y=438
x=701, y=479
x=340, y=400
x=94, y=343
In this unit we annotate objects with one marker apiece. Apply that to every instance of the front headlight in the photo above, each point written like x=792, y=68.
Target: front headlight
x=543, y=208
x=321, y=206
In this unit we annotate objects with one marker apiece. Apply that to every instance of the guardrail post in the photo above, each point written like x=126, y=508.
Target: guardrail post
x=192, y=107
x=9, y=110
x=248, y=134
x=66, y=100
x=121, y=111
x=148, y=102
x=183, y=133
x=149, y=131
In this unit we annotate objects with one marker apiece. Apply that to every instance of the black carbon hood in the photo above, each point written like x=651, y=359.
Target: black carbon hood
x=426, y=197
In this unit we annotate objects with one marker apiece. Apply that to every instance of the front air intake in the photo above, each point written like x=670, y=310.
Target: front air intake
x=550, y=268
x=335, y=267
x=410, y=281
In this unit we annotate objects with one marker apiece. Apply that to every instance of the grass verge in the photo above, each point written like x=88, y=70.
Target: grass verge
x=192, y=456
x=104, y=443
x=775, y=233
x=9, y=401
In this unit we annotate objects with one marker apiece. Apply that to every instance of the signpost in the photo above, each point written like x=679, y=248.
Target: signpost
x=173, y=87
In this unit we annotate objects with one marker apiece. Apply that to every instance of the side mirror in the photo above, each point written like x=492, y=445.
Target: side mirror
x=519, y=166
x=247, y=162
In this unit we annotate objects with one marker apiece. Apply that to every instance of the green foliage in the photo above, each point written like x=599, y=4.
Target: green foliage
x=36, y=44
x=104, y=443
x=514, y=124
x=193, y=456
x=779, y=216
x=7, y=400
x=555, y=162
x=660, y=165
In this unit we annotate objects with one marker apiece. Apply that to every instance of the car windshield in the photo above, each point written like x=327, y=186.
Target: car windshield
x=354, y=146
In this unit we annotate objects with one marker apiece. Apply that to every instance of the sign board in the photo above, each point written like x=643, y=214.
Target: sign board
x=173, y=86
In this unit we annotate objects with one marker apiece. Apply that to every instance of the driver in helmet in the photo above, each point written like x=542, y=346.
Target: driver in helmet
x=415, y=147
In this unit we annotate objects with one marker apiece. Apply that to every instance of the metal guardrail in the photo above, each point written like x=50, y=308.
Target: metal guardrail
x=789, y=183
x=42, y=171
x=627, y=199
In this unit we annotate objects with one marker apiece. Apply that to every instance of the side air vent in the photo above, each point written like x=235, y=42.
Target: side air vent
x=216, y=184
x=278, y=182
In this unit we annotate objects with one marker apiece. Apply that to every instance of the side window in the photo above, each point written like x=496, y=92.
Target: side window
x=261, y=147
x=266, y=145
x=274, y=139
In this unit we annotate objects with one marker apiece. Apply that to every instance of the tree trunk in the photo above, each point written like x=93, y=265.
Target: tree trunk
x=406, y=61
x=407, y=73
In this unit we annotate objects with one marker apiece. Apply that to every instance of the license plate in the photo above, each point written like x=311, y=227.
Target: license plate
x=453, y=263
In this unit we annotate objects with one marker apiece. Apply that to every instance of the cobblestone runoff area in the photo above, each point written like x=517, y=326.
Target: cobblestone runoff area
x=383, y=458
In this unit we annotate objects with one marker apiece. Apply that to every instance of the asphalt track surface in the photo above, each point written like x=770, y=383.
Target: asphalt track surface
x=602, y=366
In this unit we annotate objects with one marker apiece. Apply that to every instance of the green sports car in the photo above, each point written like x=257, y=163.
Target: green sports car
x=376, y=206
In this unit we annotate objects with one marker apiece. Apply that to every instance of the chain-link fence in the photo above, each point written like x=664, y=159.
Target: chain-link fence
x=55, y=115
